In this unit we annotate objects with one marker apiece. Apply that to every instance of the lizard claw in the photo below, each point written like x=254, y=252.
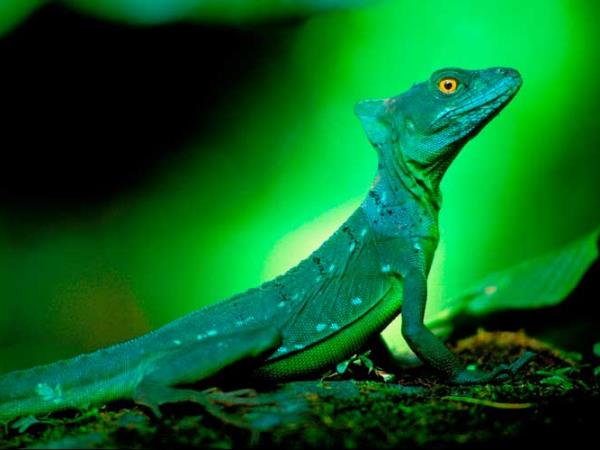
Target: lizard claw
x=523, y=360
x=512, y=369
x=153, y=396
x=241, y=397
x=500, y=374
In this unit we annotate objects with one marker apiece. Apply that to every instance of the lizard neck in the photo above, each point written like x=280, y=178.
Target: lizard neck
x=406, y=181
x=402, y=204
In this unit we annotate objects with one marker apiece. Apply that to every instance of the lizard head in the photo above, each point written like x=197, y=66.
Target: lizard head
x=427, y=125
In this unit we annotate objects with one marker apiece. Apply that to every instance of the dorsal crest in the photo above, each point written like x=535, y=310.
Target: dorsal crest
x=376, y=120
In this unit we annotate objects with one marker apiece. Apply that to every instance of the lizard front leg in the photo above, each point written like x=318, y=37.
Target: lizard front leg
x=430, y=349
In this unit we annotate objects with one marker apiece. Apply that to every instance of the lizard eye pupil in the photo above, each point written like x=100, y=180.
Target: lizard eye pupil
x=448, y=85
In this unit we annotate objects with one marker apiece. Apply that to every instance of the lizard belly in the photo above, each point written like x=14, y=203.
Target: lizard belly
x=339, y=345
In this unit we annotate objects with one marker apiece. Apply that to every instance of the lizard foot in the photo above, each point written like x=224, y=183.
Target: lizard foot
x=153, y=396
x=500, y=374
x=241, y=397
x=213, y=400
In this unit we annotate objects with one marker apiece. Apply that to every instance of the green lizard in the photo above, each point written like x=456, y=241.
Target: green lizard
x=328, y=306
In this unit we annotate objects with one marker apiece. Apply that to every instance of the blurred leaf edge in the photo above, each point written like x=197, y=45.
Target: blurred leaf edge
x=543, y=281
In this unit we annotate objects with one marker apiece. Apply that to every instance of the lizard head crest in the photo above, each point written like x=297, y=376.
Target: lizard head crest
x=427, y=125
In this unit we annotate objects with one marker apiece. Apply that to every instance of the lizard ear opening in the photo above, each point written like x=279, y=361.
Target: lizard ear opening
x=375, y=119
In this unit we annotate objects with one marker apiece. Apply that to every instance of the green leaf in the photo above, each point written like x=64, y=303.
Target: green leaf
x=367, y=362
x=575, y=356
x=343, y=366
x=539, y=282
x=558, y=381
x=597, y=349
x=23, y=424
x=557, y=377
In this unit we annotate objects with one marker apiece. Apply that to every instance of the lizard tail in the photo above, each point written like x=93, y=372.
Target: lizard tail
x=23, y=391
x=36, y=390
x=73, y=383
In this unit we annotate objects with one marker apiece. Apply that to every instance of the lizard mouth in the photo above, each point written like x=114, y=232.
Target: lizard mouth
x=487, y=110
x=489, y=105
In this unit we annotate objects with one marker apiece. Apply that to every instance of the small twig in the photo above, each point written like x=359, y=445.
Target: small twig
x=489, y=403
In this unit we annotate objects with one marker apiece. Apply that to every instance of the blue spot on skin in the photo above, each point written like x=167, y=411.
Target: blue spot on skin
x=334, y=326
x=280, y=304
x=352, y=247
x=239, y=323
x=176, y=342
x=363, y=232
x=318, y=279
x=298, y=346
x=332, y=267
x=200, y=336
x=320, y=327
x=356, y=301
x=295, y=296
x=386, y=268
x=49, y=394
x=282, y=350
x=211, y=333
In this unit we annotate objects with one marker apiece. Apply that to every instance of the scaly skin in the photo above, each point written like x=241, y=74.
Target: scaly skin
x=328, y=306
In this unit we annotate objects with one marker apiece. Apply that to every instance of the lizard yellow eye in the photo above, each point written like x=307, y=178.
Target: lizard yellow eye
x=448, y=85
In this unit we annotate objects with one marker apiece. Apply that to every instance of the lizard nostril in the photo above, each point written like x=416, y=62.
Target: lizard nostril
x=508, y=72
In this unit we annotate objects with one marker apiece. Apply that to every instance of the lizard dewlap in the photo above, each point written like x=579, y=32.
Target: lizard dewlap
x=328, y=306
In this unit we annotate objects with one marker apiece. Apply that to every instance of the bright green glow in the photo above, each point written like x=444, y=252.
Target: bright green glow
x=300, y=243
x=213, y=226
x=12, y=12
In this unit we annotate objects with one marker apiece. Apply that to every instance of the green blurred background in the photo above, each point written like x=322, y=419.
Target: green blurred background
x=159, y=163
